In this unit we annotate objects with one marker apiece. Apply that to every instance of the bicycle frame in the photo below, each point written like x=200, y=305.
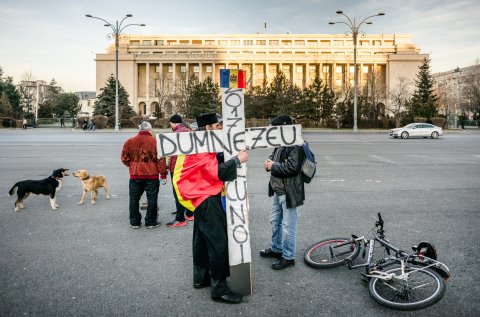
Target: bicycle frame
x=374, y=268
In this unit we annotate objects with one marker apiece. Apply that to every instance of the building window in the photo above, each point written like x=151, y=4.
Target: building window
x=312, y=43
x=338, y=69
x=261, y=42
x=338, y=43
x=352, y=69
x=171, y=42
x=376, y=43
x=286, y=68
x=209, y=42
x=196, y=42
x=222, y=42
x=134, y=43
x=299, y=42
x=235, y=42
x=365, y=69
x=248, y=42
x=273, y=42
x=208, y=69
x=183, y=69
x=326, y=69
x=313, y=68
x=147, y=42
x=286, y=42
x=196, y=69
x=299, y=69
x=170, y=69
x=159, y=42
x=273, y=53
x=184, y=42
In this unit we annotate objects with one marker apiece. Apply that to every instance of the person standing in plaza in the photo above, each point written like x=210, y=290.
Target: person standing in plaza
x=62, y=122
x=182, y=214
x=287, y=188
x=199, y=181
x=24, y=124
x=139, y=154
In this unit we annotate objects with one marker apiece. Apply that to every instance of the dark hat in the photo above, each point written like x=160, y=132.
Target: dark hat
x=281, y=120
x=176, y=119
x=206, y=119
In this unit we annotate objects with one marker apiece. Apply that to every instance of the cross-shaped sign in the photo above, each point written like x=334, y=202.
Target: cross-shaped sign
x=232, y=139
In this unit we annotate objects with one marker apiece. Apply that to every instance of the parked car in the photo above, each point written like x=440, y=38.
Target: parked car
x=424, y=130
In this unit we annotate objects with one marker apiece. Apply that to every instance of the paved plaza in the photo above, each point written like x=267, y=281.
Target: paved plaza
x=87, y=261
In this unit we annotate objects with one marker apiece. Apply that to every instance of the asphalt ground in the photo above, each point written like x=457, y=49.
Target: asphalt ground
x=87, y=261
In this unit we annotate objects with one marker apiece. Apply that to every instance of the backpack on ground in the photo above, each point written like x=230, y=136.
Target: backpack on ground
x=309, y=166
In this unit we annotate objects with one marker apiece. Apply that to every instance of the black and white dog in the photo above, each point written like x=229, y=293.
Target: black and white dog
x=48, y=186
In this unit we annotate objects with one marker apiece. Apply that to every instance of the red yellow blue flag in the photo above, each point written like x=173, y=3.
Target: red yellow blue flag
x=196, y=178
x=232, y=78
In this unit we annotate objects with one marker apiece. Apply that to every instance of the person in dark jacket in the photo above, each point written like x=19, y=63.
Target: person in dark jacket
x=210, y=240
x=287, y=188
x=182, y=214
x=139, y=153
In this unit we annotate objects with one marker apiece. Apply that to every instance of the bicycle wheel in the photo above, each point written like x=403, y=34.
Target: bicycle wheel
x=420, y=288
x=324, y=254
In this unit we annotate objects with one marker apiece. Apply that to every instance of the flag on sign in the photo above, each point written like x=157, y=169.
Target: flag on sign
x=232, y=78
x=196, y=178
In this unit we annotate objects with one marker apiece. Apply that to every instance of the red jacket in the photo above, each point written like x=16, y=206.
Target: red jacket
x=139, y=153
x=173, y=159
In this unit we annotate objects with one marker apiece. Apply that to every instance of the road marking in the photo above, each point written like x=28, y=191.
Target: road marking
x=382, y=159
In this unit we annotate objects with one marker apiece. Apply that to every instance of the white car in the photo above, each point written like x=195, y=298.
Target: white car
x=424, y=130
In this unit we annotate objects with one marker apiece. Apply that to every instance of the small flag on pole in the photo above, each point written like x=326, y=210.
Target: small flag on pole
x=232, y=78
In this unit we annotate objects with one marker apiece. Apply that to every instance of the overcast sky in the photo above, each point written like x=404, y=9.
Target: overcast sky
x=54, y=39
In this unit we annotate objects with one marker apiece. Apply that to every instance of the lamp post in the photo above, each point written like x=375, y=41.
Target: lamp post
x=116, y=32
x=354, y=30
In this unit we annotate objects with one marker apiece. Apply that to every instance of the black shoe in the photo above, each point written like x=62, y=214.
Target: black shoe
x=153, y=226
x=201, y=285
x=268, y=253
x=230, y=297
x=282, y=264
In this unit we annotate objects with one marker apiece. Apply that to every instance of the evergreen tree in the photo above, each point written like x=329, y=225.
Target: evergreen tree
x=105, y=103
x=204, y=97
x=14, y=97
x=277, y=94
x=424, y=100
x=66, y=103
x=319, y=101
x=5, y=106
x=47, y=107
x=256, y=103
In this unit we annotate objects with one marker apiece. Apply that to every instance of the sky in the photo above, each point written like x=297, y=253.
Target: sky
x=54, y=40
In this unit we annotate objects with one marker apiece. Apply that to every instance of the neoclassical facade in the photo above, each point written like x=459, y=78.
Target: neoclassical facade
x=152, y=68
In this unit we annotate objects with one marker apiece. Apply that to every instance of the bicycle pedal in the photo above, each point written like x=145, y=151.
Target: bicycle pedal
x=365, y=278
x=348, y=263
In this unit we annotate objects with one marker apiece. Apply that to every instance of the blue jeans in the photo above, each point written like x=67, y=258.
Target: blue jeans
x=284, y=227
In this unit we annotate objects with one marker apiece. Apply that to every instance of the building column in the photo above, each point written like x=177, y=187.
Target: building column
x=294, y=72
x=266, y=72
x=174, y=76
x=214, y=75
x=147, y=88
x=200, y=71
x=135, y=88
x=253, y=75
x=307, y=74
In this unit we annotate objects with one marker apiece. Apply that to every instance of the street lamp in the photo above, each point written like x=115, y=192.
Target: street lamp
x=354, y=30
x=116, y=32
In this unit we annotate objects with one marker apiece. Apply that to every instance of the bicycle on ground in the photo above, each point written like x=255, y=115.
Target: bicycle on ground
x=399, y=280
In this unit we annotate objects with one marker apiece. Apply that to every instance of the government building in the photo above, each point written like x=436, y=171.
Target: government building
x=154, y=68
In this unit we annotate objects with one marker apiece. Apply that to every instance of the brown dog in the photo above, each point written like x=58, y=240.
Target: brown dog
x=91, y=184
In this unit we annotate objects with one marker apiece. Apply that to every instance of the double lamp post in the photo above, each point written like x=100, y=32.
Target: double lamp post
x=355, y=30
x=117, y=29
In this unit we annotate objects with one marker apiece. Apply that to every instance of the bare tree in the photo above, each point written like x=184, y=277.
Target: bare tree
x=161, y=91
x=374, y=95
x=471, y=91
x=400, y=97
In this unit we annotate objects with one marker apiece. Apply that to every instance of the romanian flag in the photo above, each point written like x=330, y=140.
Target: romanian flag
x=196, y=178
x=232, y=78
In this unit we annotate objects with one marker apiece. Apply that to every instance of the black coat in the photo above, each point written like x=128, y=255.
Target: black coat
x=290, y=169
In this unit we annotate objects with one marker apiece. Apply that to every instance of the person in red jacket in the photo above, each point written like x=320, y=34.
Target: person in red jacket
x=139, y=153
x=177, y=125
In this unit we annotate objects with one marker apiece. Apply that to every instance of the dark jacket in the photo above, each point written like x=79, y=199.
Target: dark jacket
x=289, y=168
